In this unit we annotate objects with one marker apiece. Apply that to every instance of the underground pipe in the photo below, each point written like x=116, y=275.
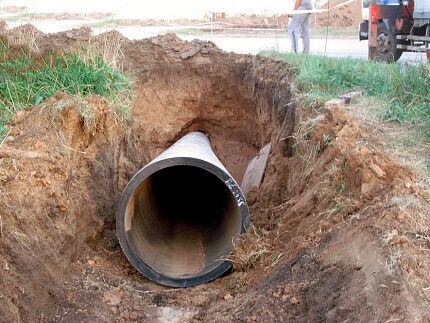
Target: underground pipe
x=179, y=215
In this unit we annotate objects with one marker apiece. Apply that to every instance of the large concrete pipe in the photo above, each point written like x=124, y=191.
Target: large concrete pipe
x=179, y=215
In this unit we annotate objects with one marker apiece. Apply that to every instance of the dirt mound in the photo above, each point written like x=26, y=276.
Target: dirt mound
x=72, y=16
x=335, y=223
x=13, y=9
x=26, y=35
x=3, y=27
x=77, y=40
x=24, y=29
x=348, y=15
x=82, y=33
x=318, y=216
x=257, y=21
x=46, y=176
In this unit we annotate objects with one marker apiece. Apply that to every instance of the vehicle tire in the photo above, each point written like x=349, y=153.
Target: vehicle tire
x=386, y=49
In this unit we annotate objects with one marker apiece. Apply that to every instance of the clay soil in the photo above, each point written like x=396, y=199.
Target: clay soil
x=339, y=229
x=348, y=15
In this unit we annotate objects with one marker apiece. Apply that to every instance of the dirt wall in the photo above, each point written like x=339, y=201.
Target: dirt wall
x=66, y=176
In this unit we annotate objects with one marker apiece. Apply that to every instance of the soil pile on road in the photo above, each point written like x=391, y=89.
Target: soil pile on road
x=333, y=221
x=257, y=21
x=13, y=9
x=3, y=27
x=348, y=15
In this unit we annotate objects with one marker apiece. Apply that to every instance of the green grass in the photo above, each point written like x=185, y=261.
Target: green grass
x=404, y=88
x=25, y=81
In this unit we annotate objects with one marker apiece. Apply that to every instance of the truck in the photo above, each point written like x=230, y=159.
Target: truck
x=393, y=27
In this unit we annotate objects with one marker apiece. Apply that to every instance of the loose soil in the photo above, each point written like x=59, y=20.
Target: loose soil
x=348, y=15
x=339, y=229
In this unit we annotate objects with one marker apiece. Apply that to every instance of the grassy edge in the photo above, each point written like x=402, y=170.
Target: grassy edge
x=404, y=89
x=395, y=103
x=27, y=80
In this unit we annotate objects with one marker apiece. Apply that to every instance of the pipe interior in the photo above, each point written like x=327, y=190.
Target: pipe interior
x=181, y=221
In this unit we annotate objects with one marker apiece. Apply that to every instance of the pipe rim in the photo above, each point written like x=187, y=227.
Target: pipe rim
x=132, y=256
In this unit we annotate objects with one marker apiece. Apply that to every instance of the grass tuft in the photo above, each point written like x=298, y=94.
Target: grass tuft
x=404, y=88
x=27, y=81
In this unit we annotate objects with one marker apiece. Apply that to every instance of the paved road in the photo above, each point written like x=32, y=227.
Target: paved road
x=334, y=47
x=254, y=45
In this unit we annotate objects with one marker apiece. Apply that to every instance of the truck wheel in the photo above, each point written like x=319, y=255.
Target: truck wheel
x=386, y=46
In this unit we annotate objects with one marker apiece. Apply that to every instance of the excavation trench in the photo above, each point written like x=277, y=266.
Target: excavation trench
x=179, y=215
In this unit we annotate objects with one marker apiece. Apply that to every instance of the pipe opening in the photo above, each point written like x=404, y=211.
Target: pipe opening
x=181, y=221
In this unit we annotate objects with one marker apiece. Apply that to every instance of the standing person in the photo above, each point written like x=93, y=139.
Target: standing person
x=300, y=24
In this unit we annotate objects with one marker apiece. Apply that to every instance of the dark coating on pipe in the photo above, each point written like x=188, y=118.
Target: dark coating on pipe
x=179, y=215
